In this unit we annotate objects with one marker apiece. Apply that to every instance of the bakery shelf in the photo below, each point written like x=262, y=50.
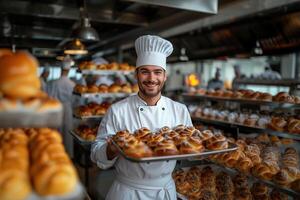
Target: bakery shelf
x=103, y=95
x=80, y=140
x=232, y=147
x=193, y=97
x=93, y=117
x=25, y=119
x=282, y=82
x=258, y=129
x=287, y=191
x=103, y=72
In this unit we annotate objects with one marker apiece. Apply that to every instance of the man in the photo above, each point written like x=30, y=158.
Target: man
x=146, y=109
x=216, y=83
x=44, y=79
x=237, y=76
x=62, y=89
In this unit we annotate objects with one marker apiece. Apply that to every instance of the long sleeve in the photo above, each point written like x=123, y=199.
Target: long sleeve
x=187, y=117
x=98, y=150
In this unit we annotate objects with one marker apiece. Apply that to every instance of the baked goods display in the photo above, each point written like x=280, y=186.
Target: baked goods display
x=211, y=182
x=105, y=89
x=89, y=65
x=92, y=109
x=281, y=97
x=20, y=91
x=265, y=158
x=34, y=160
x=87, y=133
x=287, y=124
x=167, y=141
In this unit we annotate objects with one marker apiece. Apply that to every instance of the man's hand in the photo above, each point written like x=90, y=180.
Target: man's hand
x=111, y=150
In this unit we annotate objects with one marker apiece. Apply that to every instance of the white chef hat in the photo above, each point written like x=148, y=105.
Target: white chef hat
x=152, y=50
x=67, y=62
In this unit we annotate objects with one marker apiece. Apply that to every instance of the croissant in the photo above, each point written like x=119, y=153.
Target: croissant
x=283, y=177
x=276, y=195
x=259, y=189
x=137, y=149
x=166, y=147
x=262, y=171
x=244, y=164
x=191, y=145
x=294, y=126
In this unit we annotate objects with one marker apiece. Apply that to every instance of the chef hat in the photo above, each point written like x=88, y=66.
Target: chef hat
x=67, y=62
x=152, y=50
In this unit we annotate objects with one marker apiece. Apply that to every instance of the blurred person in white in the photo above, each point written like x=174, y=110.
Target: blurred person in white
x=269, y=74
x=44, y=78
x=216, y=83
x=62, y=89
x=148, y=109
x=237, y=76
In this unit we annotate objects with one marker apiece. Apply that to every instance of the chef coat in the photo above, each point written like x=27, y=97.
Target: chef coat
x=139, y=180
x=62, y=89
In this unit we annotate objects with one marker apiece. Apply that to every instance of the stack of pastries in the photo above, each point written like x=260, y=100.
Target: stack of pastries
x=89, y=65
x=92, y=109
x=103, y=88
x=37, y=155
x=180, y=140
x=282, y=97
x=86, y=132
x=209, y=184
x=262, y=158
x=289, y=124
x=20, y=87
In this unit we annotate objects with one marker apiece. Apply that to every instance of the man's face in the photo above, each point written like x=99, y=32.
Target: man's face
x=150, y=79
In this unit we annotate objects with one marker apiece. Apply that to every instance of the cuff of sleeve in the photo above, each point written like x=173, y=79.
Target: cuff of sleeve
x=102, y=160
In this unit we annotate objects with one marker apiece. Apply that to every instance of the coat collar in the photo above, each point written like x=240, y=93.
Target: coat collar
x=141, y=102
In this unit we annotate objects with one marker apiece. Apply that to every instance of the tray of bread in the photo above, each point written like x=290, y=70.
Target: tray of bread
x=91, y=111
x=213, y=182
x=170, y=144
x=35, y=166
x=84, y=135
x=270, y=159
x=22, y=103
x=90, y=67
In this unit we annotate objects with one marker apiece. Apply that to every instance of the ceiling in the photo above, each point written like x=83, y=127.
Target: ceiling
x=43, y=27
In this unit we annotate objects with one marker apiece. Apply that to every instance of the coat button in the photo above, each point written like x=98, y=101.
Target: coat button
x=141, y=109
x=163, y=108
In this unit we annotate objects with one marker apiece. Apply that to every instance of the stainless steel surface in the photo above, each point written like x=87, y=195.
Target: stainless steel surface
x=232, y=147
x=88, y=117
x=17, y=119
x=208, y=6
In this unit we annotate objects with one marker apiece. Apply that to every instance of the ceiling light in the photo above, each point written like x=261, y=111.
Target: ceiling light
x=75, y=47
x=257, y=49
x=85, y=32
x=183, y=56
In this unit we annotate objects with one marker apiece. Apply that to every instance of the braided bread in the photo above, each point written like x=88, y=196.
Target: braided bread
x=142, y=134
x=137, y=149
x=191, y=145
x=283, y=97
x=259, y=190
x=244, y=164
x=154, y=140
x=276, y=195
x=224, y=183
x=218, y=141
x=294, y=126
x=277, y=123
x=262, y=171
x=166, y=147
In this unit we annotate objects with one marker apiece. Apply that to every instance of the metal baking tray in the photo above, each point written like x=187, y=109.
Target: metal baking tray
x=205, y=153
x=103, y=95
x=80, y=140
x=88, y=117
x=25, y=119
x=104, y=72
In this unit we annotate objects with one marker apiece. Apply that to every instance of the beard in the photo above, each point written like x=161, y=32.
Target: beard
x=150, y=92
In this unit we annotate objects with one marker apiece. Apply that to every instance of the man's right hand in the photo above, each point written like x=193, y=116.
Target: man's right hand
x=111, y=150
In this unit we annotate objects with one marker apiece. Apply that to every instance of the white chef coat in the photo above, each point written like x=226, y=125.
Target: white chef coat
x=139, y=180
x=62, y=89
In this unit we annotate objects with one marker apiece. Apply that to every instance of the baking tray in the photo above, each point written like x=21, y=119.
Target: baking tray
x=104, y=72
x=103, y=95
x=89, y=117
x=77, y=194
x=24, y=119
x=80, y=140
x=205, y=153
